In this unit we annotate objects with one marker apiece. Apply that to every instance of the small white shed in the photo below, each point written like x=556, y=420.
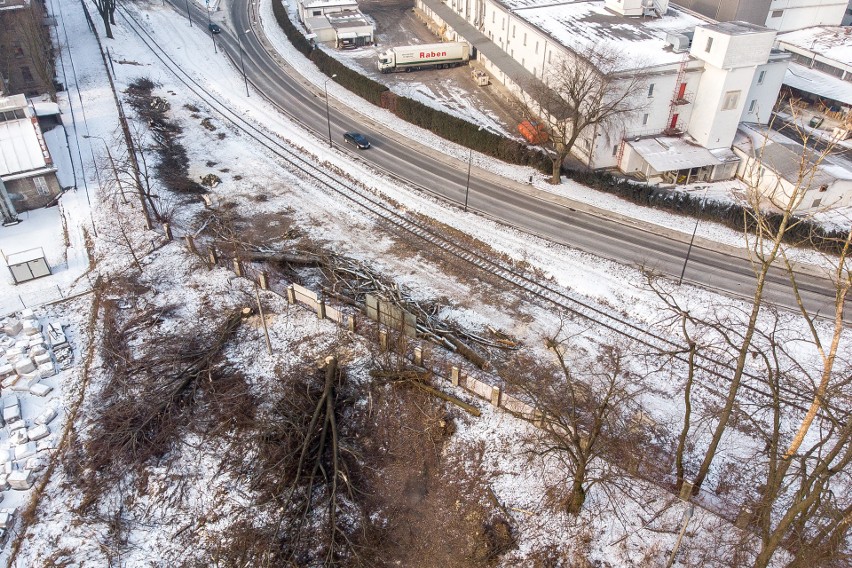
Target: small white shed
x=27, y=265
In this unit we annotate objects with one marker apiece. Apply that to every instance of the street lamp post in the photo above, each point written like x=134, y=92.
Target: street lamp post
x=692, y=240
x=469, y=164
x=242, y=64
x=327, y=111
x=188, y=14
x=467, y=185
x=212, y=35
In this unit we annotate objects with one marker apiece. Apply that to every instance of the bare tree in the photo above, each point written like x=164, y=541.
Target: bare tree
x=800, y=503
x=803, y=503
x=142, y=140
x=770, y=227
x=106, y=8
x=585, y=408
x=116, y=183
x=587, y=88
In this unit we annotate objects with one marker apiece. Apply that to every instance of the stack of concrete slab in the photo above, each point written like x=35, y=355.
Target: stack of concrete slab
x=27, y=356
x=22, y=453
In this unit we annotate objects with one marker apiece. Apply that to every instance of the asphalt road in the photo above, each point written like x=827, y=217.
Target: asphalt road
x=432, y=171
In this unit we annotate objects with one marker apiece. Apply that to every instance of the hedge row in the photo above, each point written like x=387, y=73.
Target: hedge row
x=801, y=233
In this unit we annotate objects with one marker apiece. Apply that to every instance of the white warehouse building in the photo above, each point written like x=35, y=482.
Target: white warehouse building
x=701, y=79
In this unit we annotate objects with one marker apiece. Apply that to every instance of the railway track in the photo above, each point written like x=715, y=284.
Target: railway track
x=535, y=286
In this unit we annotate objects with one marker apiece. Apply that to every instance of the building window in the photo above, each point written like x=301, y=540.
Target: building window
x=826, y=68
x=644, y=119
x=548, y=56
x=761, y=76
x=317, y=13
x=586, y=144
x=732, y=98
x=615, y=151
x=15, y=114
x=514, y=29
x=650, y=90
x=816, y=202
x=41, y=185
x=536, y=48
x=525, y=39
x=709, y=44
x=502, y=24
x=493, y=16
x=777, y=13
x=752, y=105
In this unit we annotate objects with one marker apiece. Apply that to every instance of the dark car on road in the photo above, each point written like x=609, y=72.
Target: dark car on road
x=214, y=29
x=357, y=140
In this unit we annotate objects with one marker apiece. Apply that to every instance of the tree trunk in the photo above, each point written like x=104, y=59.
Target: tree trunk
x=578, y=493
x=556, y=171
x=764, y=266
x=107, y=27
x=828, y=368
x=734, y=388
x=687, y=413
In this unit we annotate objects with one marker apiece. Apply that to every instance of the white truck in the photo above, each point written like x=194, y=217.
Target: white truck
x=427, y=56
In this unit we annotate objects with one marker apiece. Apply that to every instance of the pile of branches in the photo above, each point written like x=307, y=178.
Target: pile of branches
x=172, y=168
x=150, y=392
x=350, y=281
x=305, y=463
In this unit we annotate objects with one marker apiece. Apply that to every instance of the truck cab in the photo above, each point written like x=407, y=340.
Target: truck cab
x=386, y=61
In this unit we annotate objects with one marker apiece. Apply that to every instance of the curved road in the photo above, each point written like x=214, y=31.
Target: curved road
x=557, y=219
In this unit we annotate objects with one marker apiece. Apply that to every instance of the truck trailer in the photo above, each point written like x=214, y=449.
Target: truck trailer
x=428, y=56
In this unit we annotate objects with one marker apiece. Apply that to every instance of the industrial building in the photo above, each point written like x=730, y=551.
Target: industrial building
x=701, y=78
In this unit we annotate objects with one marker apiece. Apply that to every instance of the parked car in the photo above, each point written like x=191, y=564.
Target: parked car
x=357, y=140
x=214, y=29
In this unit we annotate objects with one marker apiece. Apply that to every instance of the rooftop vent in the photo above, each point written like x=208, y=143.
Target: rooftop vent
x=679, y=41
x=638, y=8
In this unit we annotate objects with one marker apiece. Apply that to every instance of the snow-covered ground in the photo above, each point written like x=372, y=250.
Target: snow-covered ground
x=617, y=528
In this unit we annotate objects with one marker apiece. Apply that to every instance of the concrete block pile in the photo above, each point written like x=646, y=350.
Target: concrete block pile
x=27, y=355
x=30, y=357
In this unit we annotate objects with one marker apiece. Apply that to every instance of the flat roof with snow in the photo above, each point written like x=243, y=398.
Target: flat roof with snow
x=831, y=42
x=738, y=28
x=24, y=256
x=20, y=149
x=315, y=23
x=348, y=20
x=579, y=24
x=13, y=102
x=672, y=153
x=46, y=108
x=784, y=157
